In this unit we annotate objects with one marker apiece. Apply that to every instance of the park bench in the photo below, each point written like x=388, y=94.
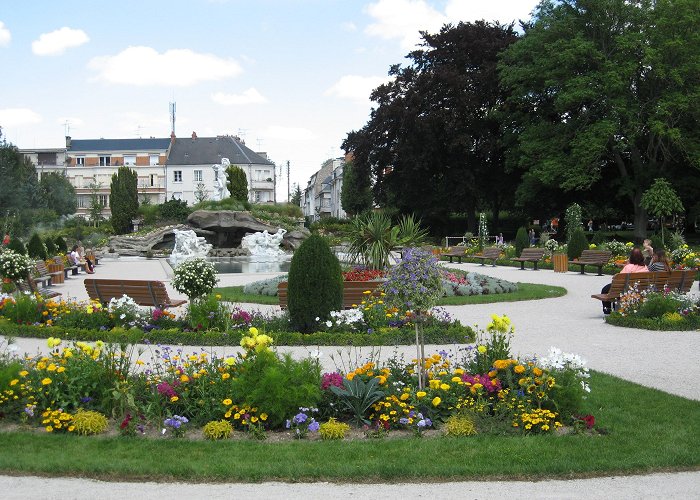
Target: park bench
x=30, y=286
x=533, y=255
x=679, y=280
x=46, y=276
x=143, y=292
x=455, y=252
x=69, y=266
x=353, y=292
x=596, y=258
x=491, y=253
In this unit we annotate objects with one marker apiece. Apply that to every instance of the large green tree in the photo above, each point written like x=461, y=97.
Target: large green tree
x=19, y=189
x=237, y=183
x=356, y=196
x=436, y=124
x=606, y=91
x=123, y=199
x=58, y=193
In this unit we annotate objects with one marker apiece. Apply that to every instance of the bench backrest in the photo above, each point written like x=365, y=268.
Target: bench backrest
x=679, y=280
x=492, y=252
x=143, y=292
x=455, y=251
x=596, y=255
x=353, y=292
x=41, y=268
x=532, y=253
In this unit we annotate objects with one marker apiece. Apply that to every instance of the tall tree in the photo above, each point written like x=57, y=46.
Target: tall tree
x=296, y=196
x=19, y=189
x=237, y=183
x=123, y=199
x=58, y=192
x=606, y=90
x=356, y=196
x=437, y=125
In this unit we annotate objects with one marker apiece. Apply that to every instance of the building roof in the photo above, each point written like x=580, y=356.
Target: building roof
x=105, y=145
x=210, y=151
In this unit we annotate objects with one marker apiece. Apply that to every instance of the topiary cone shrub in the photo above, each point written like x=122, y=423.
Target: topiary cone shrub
x=577, y=244
x=16, y=245
x=36, y=248
x=61, y=244
x=522, y=240
x=315, y=284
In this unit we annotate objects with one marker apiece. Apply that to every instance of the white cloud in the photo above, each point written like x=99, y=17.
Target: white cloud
x=403, y=19
x=143, y=66
x=5, y=35
x=356, y=88
x=250, y=96
x=289, y=133
x=56, y=42
x=12, y=117
x=349, y=26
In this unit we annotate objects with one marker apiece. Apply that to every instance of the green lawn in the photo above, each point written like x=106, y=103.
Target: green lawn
x=526, y=291
x=645, y=430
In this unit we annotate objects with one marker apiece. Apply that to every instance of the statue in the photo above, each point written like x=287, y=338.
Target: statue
x=188, y=246
x=220, y=179
x=264, y=247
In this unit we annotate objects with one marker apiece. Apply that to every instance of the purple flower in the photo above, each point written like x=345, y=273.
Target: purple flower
x=314, y=426
x=86, y=399
x=288, y=424
x=300, y=418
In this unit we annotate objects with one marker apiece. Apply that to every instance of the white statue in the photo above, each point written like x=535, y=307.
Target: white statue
x=264, y=246
x=188, y=246
x=220, y=179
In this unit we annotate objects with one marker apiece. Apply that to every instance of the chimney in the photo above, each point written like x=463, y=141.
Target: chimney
x=68, y=142
x=194, y=136
x=172, y=138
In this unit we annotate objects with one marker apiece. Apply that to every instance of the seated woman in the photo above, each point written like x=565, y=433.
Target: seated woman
x=634, y=265
x=659, y=262
x=78, y=261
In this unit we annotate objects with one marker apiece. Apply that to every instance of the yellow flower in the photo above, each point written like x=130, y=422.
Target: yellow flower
x=184, y=378
x=61, y=369
x=350, y=376
x=481, y=349
x=436, y=401
x=404, y=396
x=253, y=331
x=14, y=382
x=230, y=361
x=456, y=379
x=420, y=394
x=263, y=416
x=174, y=399
x=519, y=369
x=225, y=376
x=23, y=373
x=445, y=387
x=227, y=402
x=218, y=296
x=537, y=372
x=46, y=381
x=434, y=383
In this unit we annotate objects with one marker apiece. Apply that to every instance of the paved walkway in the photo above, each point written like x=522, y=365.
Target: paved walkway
x=573, y=323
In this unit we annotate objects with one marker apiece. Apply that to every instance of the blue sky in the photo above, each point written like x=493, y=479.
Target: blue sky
x=291, y=78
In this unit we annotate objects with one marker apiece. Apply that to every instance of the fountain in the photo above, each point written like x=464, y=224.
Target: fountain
x=188, y=246
x=266, y=256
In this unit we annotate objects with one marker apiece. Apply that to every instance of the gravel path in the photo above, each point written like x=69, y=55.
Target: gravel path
x=573, y=323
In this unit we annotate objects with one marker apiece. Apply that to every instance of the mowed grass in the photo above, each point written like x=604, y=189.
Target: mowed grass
x=645, y=430
x=526, y=291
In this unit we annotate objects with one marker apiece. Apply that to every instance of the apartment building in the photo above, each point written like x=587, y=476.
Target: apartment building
x=321, y=198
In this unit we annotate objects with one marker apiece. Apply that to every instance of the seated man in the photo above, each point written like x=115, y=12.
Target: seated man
x=74, y=258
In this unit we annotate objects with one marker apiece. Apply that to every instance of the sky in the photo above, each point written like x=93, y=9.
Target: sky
x=290, y=77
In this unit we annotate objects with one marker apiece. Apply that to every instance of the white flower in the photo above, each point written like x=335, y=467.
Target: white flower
x=329, y=323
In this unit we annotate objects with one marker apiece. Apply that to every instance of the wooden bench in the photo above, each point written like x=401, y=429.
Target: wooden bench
x=353, y=292
x=491, y=253
x=30, y=286
x=680, y=281
x=45, y=275
x=596, y=258
x=455, y=252
x=69, y=266
x=143, y=292
x=533, y=255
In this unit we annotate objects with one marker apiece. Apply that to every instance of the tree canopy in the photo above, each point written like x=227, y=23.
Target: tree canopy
x=123, y=199
x=356, y=196
x=58, y=193
x=605, y=91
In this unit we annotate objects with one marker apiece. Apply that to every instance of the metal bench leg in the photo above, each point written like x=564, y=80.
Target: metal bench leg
x=535, y=266
x=522, y=265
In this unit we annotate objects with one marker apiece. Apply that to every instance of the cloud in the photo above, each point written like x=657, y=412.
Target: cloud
x=348, y=26
x=12, y=117
x=5, y=35
x=144, y=66
x=289, y=133
x=250, y=96
x=56, y=42
x=402, y=20
x=356, y=88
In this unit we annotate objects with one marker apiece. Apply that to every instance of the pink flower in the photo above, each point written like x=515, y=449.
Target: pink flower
x=329, y=379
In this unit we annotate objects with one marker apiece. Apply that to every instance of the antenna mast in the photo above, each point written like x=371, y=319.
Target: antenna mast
x=172, y=117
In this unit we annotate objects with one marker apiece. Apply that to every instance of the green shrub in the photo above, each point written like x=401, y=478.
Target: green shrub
x=89, y=422
x=315, y=284
x=217, y=429
x=174, y=210
x=278, y=387
x=522, y=240
x=656, y=241
x=50, y=247
x=577, y=244
x=36, y=248
x=598, y=238
x=61, y=244
x=657, y=304
x=17, y=246
x=333, y=429
x=460, y=424
x=265, y=287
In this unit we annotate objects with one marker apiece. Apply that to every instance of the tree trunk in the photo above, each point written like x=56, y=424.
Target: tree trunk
x=640, y=217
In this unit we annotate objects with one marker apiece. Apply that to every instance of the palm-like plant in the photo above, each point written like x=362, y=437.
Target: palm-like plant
x=373, y=238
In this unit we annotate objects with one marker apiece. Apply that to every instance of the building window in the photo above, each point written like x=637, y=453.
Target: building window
x=105, y=161
x=177, y=176
x=153, y=180
x=129, y=159
x=197, y=176
x=81, y=201
x=104, y=200
x=154, y=159
x=257, y=195
x=80, y=161
x=177, y=196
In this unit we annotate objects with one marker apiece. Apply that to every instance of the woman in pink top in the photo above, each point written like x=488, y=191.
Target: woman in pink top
x=634, y=265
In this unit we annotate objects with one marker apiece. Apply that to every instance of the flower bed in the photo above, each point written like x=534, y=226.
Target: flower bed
x=656, y=310
x=171, y=392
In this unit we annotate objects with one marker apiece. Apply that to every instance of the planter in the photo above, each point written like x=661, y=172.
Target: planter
x=561, y=262
x=353, y=292
x=56, y=268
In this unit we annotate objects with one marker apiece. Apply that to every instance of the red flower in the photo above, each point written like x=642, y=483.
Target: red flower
x=125, y=422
